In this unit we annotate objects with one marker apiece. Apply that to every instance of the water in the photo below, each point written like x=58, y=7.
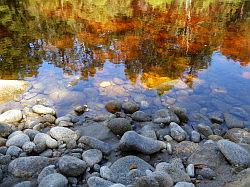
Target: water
x=190, y=53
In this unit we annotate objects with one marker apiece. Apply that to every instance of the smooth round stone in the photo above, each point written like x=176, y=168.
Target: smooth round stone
x=28, y=147
x=119, y=126
x=46, y=171
x=195, y=137
x=105, y=172
x=98, y=182
x=92, y=156
x=190, y=170
x=40, y=109
x=55, y=180
x=11, y=116
x=113, y=106
x=14, y=151
x=5, y=129
x=18, y=140
x=177, y=132
x=63, y=134
x=140, y=116
x=130, y=107
x=205, y=130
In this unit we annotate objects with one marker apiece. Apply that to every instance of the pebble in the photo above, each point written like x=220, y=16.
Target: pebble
x=195, y=137
x=184, y=184
x=63, y=134
x=92, y=156
x=233, y=122
x=130, y=107
x=46, y=171
x=190, y=170
x=18, y=140
x=40, y=109
x=113, y=106
x=140, y=116
x=98, y=182
x=55, y=180
x=24, y=184
x=119, y=126
x=177, y=133
x=11, y=116
x=165, y=116
x=206, y=173
x=14, y=151
x=204, y=130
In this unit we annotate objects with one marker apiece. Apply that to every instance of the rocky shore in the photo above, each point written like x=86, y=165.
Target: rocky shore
x=128, y=147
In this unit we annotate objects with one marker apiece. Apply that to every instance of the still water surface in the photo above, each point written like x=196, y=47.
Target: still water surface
x=191, y=53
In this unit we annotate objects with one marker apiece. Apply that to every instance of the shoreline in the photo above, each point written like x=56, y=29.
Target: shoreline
x=127, y=147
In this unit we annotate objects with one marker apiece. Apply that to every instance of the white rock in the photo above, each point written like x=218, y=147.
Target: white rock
x=190, y=170
x=11, y=116
x=40, y=109
x=63, y=134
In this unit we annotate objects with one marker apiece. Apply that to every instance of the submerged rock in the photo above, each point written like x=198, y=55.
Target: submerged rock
x=238, y=135
x=177, y=132
x=131, y=141
x=130, y=107
x=113, y=106
x=205, y=130
x=119, y=126
x=11, y=116
x=140, y=116
x=165, y=116
x=5, y=129
x=233, y=122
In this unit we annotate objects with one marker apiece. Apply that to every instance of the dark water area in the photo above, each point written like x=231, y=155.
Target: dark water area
x=190, y=53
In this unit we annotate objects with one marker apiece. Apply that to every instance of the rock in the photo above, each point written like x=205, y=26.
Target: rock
x=105, y=172
x=190, y=170
x=104, y=84
x=234, y=153
x=40, y=109
x=205, y=130
x=131, y=141
x=177, y=132
x=208, y=155
x=47, y=153
x=24, y=184
x=18, y=140
x=5, y=129
x=92, y=156
x=98, y=182
x=146, y=181
x=42, y=138
x=206, y=173
x=71, y=166
x=63, y=118
x=148, y=131
x=81, y=109
x=184, y=184
x=31, y=133
x=122, y=169
x=113, y=106
x=5, y=159
x=185, y=148
x=119, y=126
x=63, y=134
x=130, y=107
x=95, y=144
x=140, y=116
x=175, y=169
x=215, y=137
x=2, y=141
x=25, y=167
x=242, y=179
x=216, y=118
x=11, y=116
x=195, y=137
x=14, y=151
x=233, y=122
x=46, y=171
x=48, y=118
x=165, y=116
x=181, y=113
x=55, y=180
x=162, y=179
x=238, y=135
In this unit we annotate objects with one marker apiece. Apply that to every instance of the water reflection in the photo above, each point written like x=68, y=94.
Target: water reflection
x=143, y=43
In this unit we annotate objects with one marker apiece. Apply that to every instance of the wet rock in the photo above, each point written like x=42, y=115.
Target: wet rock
x=63, y=134
x=92, y=156
x=204, y=129
x=14, y=151
x=140, y=116
x=177, y=132
x=95, y=144
x=71, y=166
x=131, y=141
x=24, y=184
x=165, y=116
x=11, y=116
x=122, y=169
x=81, y=109
x=181, y=113
x=233, y=122
x=206, y=173
x=119, y=126
x=98, y=182
x=175, y=169
x=46, y=171
x=42, y=138
x=208, y=155
x=238, y=135
x=195, y=137
x=25, y=167
x=216, y=118
x=130, y=107
x=40, y=109
x=18, y=140
x=113, y=106
x=5, y=129
x=184, y=184
x=234, y=153
x=55, y=180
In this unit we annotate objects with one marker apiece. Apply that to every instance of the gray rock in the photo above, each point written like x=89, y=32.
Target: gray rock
x=5, y=129
x=14, y=151
x=11, y=116
x=195, y=137
x=40, y=109
x=5, y=159
x=92, y=156
x=25, y=167
x=146, y=181
x=131, y=141
x=46, y=171
x=204, y=129
x=130, y=107
x=140, y=116
x=113, y=106
x=163, y=179
x=165, y=116
x=184, y=184
x=63, y=134
x=233, y=122
x=238, y=135
x=72, y=166
x=54, y=180
x=95, y=144
x=206, y=173
x=122, y=169
x=47, y=153
x=31, y=133
x=234, y=153
x=177, y=132
x=119, y=126
x=117, y=185
x=148, y=131
x=48, y=118
x=18, y=140
x=98, y=182
x=175, y=169
x=105, y=172
x=42, y=138
x=24, y=184
x=28, y=147
x=63, y=118
x=190, y=170
x=181, y=113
